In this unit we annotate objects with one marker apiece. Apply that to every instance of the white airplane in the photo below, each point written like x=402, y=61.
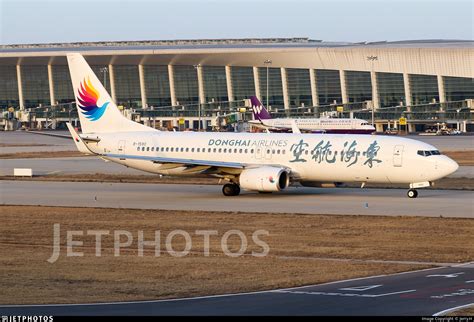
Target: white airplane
x=263, y=119
x=263, y=162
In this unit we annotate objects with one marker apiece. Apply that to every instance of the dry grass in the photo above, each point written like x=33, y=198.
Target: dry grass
x=469, y=311
x=104, y=177
x=26, y=243
x=41, y=154
x=461, y=157
x=5, y=145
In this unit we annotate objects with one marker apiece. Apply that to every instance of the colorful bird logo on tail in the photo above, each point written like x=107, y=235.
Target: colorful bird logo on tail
x=87, y=98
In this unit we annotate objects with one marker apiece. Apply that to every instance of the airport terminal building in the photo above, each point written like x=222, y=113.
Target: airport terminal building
x=427, y=82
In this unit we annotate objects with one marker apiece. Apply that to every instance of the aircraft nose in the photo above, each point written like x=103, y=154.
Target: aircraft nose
x=447, y=166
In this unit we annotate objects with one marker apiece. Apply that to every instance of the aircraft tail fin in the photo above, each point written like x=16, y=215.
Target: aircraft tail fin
x=259, y=111
x=97, y=112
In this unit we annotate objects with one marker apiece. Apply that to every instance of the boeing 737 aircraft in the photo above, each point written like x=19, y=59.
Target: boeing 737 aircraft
x=263, y=119
x=263, y=162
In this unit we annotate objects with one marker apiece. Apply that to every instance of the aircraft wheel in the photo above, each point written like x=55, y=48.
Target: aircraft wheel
x=231, y=189
x=412, y=193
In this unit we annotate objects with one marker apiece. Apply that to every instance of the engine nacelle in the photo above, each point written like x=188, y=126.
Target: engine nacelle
x=264, y=179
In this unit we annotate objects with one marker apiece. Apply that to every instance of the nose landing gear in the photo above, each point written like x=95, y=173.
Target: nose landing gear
x=412, y=193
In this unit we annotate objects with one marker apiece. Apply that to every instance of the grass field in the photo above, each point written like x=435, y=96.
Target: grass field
x=304, y=249
x=468, y=311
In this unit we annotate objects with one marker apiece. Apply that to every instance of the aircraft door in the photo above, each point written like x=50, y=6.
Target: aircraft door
x=259, y=153
x=263, y=153
x=121, y=148
x=398, y=155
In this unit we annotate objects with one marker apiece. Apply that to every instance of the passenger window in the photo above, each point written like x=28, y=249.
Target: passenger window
x=235, y=150
x=143, y=148
x=138, y=149
x=172, y=149
x=251, y=151
x=220, y=150
x=240, y=150
x=192, y=150
x=198, y=149
x=225, y=150
x=268, y=151
x=209, y=150
x=246, y=150
x=167, y=149
x=214, y=150
x=162, y=149
x=187, y=149
x=278, y=151
x=152, y=148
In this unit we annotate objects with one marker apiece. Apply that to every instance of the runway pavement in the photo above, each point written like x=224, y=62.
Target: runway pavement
x=344, y=201
x=425, y=292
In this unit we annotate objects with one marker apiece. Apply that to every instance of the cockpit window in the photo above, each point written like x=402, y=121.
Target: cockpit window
x=427, y=153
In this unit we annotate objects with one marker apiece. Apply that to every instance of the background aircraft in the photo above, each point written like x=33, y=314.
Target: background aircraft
x=263, y=119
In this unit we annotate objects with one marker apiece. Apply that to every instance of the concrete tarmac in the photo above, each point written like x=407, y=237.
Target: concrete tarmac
x=343, y=201
x=419, y=293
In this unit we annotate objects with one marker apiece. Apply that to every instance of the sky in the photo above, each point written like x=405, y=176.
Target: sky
x=46, y=21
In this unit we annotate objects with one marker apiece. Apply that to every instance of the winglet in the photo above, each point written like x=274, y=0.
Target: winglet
x=81, y=146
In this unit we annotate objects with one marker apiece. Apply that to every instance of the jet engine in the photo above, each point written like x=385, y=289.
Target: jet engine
x=266, y=179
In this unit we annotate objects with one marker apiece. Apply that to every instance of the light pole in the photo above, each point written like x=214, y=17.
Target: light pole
x=372, y=59
x=199, y=103
x=267, y=63
x=104, y=71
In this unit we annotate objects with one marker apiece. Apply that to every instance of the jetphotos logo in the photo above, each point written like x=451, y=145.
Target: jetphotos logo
x=88, y=97
x=176, y=243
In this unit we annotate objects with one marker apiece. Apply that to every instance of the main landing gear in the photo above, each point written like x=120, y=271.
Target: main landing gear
x=412, y=193
x=231, y=189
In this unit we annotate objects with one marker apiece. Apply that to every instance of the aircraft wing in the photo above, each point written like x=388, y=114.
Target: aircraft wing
x=180, y=161
x=196, y=166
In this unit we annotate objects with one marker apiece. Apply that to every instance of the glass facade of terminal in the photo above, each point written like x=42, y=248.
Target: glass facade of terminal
x=424, y=89
x=299, y=87
x=35, y=85
x=102, y=73
x=391, y=89
x=390, y=86
x=8, y=87
x=359, y=86
x=215, y=84
x=186, y=85
x=242, y=82
x=275, y=86
x=157, y=85
x=328, y=84
x=458, y=88
x=63, y=92
x=127, y=85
